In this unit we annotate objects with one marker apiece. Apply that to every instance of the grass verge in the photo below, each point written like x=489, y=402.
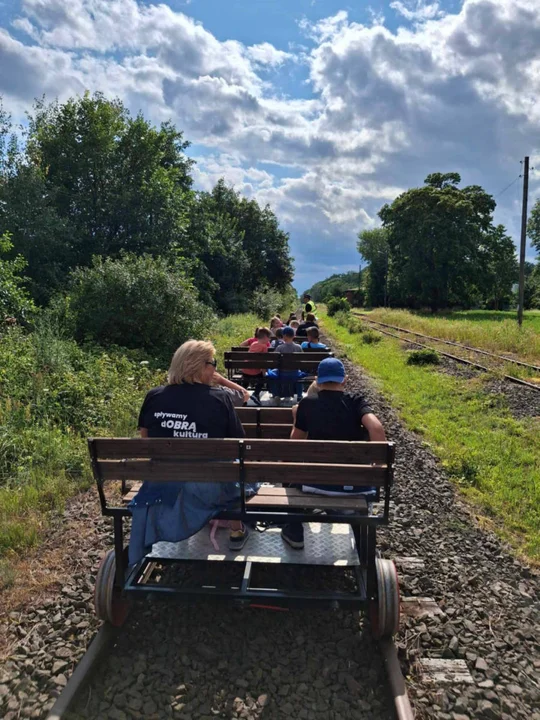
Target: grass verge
x=494, y=458
x=490, y=330
x=53, y=395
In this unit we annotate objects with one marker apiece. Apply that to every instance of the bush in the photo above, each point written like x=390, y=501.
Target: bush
x=423, y=357
x=353, y=324
x=266, y=302
x=336, y=304
x=137, y=302
x=15, y=302
x=370, y=338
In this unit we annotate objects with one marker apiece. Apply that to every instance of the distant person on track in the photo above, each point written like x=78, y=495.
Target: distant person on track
x=309, y=306
x=332, y=414
x=312, y=342
x=308, y=323
x=253, y=374
x=189, y=406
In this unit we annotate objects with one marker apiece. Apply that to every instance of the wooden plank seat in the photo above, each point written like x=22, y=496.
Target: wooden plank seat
x=269, y=496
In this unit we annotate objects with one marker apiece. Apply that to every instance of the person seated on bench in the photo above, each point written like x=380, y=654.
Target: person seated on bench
x=251, y=340
x=253, y=374
x=275, y=323
x=312, y=342
x=294, y=324
x=331, y=414
x=281, y=381
x=308, y=323
x=278, y=339
x=187, y=407
x=291, y=317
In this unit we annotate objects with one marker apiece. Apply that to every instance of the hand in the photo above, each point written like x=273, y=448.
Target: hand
x=246, y=395
x=294, y=410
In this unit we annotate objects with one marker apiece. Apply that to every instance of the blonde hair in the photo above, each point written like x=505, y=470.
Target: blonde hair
x=313, y=390
x=275, y=322
x=189, y=361
x=294, y=324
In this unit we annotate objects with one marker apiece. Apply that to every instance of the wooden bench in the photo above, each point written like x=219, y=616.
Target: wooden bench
x=272, y=463
x=236, y=361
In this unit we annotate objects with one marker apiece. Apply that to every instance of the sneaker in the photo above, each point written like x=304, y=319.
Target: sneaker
x=237, y=538
x=293, y=535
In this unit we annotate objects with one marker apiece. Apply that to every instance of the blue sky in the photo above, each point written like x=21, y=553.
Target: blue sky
x=324, y=109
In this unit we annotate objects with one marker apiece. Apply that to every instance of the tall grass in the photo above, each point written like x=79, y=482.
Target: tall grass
x=493, y=331
x=494, y=458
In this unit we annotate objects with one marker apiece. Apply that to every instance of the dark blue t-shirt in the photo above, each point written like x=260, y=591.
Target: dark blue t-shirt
x=189, y=411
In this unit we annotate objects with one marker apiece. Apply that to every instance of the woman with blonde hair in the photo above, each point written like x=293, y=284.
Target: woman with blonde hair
x=189, y=406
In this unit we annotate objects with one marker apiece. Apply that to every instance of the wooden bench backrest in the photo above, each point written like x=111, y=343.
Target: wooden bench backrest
x=264, y=361
x=242, y=348
x=266, y=422
x=250, y=460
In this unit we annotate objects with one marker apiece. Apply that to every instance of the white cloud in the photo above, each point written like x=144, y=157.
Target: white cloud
x=266, y=54
x=417, y=10
x=456, y=91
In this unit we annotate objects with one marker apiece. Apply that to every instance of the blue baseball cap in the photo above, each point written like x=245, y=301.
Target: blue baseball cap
x=330, y=370
x=288, y=331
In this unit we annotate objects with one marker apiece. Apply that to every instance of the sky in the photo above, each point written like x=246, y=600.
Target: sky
x=324, y=109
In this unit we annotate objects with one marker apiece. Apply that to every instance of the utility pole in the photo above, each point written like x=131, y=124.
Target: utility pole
x=523, y=240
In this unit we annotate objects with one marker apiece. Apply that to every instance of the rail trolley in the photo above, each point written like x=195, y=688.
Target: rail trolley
x=340, y=532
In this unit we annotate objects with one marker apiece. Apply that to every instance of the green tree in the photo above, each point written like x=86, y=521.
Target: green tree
x=136, y=302
x=103, y=181
x=533, y=226
x=499, y=268
x=373, y=247
x=334, y=286
x=435, y=235
x=15, y=301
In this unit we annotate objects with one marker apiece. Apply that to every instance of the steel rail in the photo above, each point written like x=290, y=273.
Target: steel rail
x=83, y=671
x=449, y=342
x=402, y=704
x=511, y=378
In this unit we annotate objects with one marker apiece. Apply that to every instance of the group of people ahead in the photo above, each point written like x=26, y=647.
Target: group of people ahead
x=293, y=337
x=196, y=403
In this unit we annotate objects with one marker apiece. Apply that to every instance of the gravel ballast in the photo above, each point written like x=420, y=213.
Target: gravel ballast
x=212, y=661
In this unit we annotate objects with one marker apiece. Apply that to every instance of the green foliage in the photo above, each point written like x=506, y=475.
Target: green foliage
x=374, y=248
x=442, y=249
x=371, y=338
x=336, y=304
x=531, y=296
x=334, y=286
x=267, y=302
x=137, y=302
x=14, y=299
x=91, y=180
x=533, y=226
x=423, y=357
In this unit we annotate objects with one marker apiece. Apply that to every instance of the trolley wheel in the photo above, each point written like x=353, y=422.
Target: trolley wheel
x=111, y=606
x=384, y=611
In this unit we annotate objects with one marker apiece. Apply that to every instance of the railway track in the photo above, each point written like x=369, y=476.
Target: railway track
x=103, y=643
x=500, y=360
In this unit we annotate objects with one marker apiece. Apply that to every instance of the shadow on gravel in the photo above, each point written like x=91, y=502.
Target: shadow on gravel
x=212, y=661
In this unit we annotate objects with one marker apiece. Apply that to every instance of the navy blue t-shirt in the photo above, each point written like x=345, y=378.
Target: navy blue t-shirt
x=189, y=411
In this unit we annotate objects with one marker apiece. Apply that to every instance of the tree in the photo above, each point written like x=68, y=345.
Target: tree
x=533, y=226
x=104, y=182
x=435, y=236
x=334, y=286
x=499, y=268
x=374, y=248
x=14, y=299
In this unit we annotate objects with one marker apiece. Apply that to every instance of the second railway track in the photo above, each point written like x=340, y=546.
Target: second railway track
x=386, y=328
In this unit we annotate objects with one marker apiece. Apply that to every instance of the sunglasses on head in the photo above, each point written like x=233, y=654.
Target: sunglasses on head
x=212, y=362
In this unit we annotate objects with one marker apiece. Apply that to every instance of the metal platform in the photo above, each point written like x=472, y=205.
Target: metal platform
x=325, y=544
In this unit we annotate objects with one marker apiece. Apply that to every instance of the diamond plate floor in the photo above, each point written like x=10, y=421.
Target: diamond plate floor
x=325, y=544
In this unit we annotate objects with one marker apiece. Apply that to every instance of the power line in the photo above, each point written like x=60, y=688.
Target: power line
x=507, y=187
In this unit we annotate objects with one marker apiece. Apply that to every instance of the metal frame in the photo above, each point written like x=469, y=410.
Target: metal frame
x=364, y=527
